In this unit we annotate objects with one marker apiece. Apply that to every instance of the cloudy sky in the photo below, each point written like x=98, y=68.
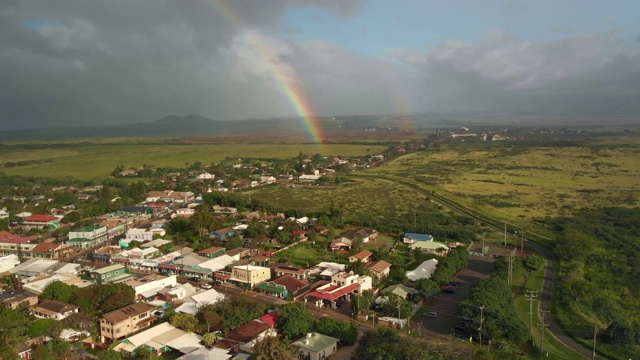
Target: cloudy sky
x=90, y=62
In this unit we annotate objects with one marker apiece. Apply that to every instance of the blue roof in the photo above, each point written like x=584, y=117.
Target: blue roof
x=419, y=237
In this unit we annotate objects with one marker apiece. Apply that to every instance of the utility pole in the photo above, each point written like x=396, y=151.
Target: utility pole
x=542, y=326
x=522, y=243
x=481, y=322
x=505, y=234
x=530, y=296
x=511, y=258
x=595, y=336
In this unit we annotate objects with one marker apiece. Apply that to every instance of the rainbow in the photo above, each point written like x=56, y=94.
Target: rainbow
x=290, y=89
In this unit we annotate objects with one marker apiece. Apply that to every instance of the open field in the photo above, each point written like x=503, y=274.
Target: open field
x=518, y=183
x=88, y=160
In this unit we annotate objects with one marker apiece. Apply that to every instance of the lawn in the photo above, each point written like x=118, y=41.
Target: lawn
x=96, y=160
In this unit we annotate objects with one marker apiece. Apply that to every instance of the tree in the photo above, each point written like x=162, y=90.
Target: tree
x=60, y=291
x=427, y=287
x=40, y=327
x=272, y=348
x=109, y=355
x=202, y=220
x=212, y=320
x=346, y=332
x=234, y=243
x=295, y=320
x=209, y=339
x=186, y=322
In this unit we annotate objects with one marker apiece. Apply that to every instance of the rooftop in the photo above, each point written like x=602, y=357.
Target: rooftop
x=126, y=312
x=419, y=237
x=315, y=342
x=248, y=331
x=109, y=268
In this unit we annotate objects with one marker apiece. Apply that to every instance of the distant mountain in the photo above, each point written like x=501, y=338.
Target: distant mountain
x=184, y=120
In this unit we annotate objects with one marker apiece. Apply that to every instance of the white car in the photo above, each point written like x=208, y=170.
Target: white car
x=206, y=286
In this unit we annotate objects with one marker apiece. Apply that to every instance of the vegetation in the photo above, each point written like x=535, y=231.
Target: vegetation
x=231, y=313
x=345, y=331
x=271, y=348
x=294, y=320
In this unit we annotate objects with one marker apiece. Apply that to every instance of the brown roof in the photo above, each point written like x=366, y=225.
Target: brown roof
x=236, y=251
x=248, y=331
x=291, y=270
x=56, y=306
x=210, y=250
x=291, y=283
x=46, y=247
x=362, y=254
x=260, y=258
x=379, y=266
x=127, y=312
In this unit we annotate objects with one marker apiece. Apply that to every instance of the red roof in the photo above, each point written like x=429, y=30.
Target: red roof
x=291, y=283
x=41, y=218
x=46, y=247
x=336, y=293
x=221, y=276
x=271, y=318
x=7, y=237
x=158, y=205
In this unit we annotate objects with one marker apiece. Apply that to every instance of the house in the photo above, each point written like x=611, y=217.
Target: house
x=266, y=179
x=250, y=333
x=159, y=340
x=12, y=299
x=16, y=244
x=316, y=346
x=136, y=234
x=89, y=236
x=309, y=178
x=380, y=268
x=51, y=250
x=423, y=271
x=157, y=243
x=366, y=234
x=114, y=227
x=53, y=309
x=42, y=221
x=363, y=256
x=205, y=176
x=224, y=209
x=400, y=290
x=248, y=276
x=430, y=247
x=283, y=286
x=341, y=287
x=71, y=335
x=110, y=273
x=125, y=321
x=3, y=213
x=170, y=196
x=193, y=303
x=412, y=238
x=177, y=292
x=8, y=262
x=223, y=234
x=341, y=244
x=203, y=353
x=326, y=269
x=212, y=252
x=298, y=273
x=146, y=288
x=184, y=213
x=38, y=284
x=25, y=351
x=104, y=254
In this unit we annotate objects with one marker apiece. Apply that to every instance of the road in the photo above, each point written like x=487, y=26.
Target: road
x=546, y=296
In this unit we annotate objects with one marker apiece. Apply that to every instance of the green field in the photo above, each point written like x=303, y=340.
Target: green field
x=518, y=183
x=96, y=160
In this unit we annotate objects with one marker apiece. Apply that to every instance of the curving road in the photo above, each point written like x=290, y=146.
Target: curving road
x=549, y=279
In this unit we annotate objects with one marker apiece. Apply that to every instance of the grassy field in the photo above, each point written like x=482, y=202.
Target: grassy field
x=96, y=160
x=519, y=183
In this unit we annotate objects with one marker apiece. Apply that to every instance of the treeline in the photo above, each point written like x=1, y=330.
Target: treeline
x=599, y=268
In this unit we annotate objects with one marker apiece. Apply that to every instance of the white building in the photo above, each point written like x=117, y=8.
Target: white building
x=138, y=235
x=8, y=262
x=205, y=176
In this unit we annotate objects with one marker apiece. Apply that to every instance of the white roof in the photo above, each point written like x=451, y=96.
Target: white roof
x=39, y=285
x=136, y=231
x=207, y=297
x=35, y=265
x=423, y=271
x=303, y=220
x=207, y=354
x=192, y=260
x=188, y=308
x=251, y=267
x=218, y=263
x=166, y=335
x=156, y=242
x=69, y=269
x=241, y=227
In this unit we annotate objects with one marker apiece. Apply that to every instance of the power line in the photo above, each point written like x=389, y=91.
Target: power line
x=530, y=296
x=595, y=336
x=481, y=321
x=542, y=326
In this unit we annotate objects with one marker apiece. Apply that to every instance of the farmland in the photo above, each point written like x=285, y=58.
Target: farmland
x=95, y=160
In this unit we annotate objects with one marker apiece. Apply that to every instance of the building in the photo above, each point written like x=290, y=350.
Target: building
x=423, y=271
x=298, y=273
x=212, y=252
x=366, y=234
x=53, y=309
x=159, y=340
x=12, y=299
x=250, y=333
x=40, y=283
x=283, y=287
x=110, y=273
x=342, y=285
x=147, y=287
x=170, y=196
x=223, y=234
x=20, y=246
x=42, y=221
x=430, y=247
x=412, y=238
x=316, y=346
x=115, y=227
x=380, y=268
x=8, y=262
x=249, y=276
x=362, y=256
x=3, y=213
x=142, y=235
x=51, y=250
x=125, y=321
x=193, y=303
x=341, y=244
x=89, y=236
x=309, y=178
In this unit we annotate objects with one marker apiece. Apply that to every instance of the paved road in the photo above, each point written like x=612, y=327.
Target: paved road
x=546, y=296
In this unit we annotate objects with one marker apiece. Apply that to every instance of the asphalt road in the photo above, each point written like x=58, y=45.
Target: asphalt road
x=546, y=296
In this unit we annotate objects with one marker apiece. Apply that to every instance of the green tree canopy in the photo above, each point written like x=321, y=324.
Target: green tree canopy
x=273, y=348
x=186, y=322
x=60, y=291
x=295, y=320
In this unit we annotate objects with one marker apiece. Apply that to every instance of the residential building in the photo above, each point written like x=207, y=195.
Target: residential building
x=139, y=235
x=12, y=299
x=283, y=286
x=20, y=246
x=309, y=178
x=400, y=290
x=342, y=285
x=249, y=275
x=25, y=351
x=115, y=227
x=223, y=234
x=40, y=283
x=3, y=213
x=51, y=250
x=362, y=256
x=366, y=234
x=298, y=273
x=89, y=236
x=212, y=252
x=42, y=221
x=430, y=247
x=316, y=346
x=341, y=244
x=8, y=262
x=125, y=321
x=423, y=271
x=327, y=269
x=412, y=238
x=224, y=209
x=193, y=303
x=170, y=196
x=147, y=287
x=250, y=333
x=159, y=340
x=105, y=254
x=380, y=268
x=110, y=273
x=53, y=309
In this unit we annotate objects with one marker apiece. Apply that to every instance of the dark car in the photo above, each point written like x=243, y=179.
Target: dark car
x=454, y=283
x=449, y=291
x=194, y=278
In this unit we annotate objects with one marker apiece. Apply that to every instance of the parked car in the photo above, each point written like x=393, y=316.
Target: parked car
x=431, y=314
x=194, y=278
x=206, y=286
x=449, y=291
x=454, y=283
x=158, y=313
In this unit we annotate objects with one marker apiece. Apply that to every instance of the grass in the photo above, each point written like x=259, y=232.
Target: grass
x=305, y=254
x=96, y=160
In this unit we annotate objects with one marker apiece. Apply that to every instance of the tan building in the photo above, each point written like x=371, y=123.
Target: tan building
x=125, y=321
x=380, y=268
x=249, y=275
x=53, y=309
x=14, y=298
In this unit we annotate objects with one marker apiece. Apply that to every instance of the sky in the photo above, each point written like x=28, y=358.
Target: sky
x=96, y=62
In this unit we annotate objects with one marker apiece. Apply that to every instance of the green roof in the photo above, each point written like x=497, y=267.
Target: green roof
x=400, y=290
x=315, y=342
x=271, y=288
